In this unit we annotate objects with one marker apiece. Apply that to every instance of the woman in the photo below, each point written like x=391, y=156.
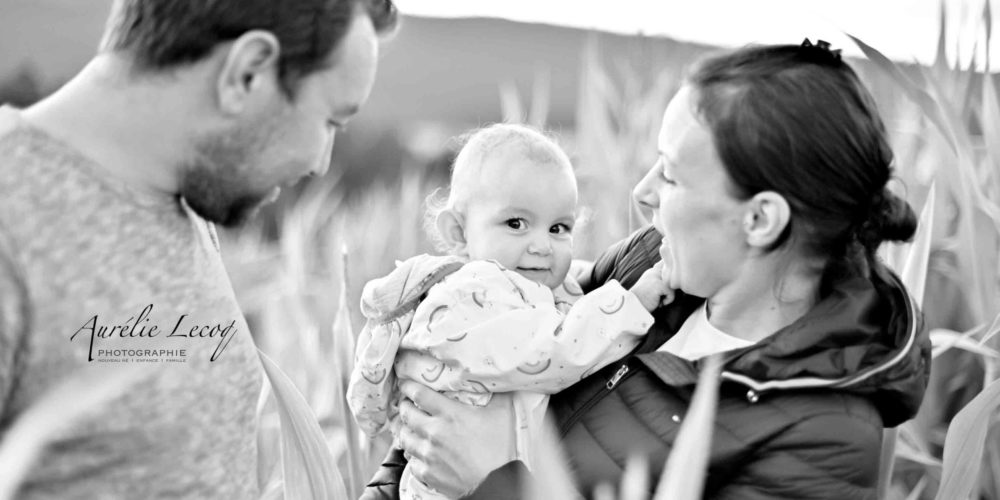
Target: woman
x=768, y=202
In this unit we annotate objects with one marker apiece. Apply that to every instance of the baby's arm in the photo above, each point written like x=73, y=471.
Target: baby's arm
x=651, y=289
x=491, y=330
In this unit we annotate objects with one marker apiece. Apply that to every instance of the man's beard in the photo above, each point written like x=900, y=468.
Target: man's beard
x=218, y=183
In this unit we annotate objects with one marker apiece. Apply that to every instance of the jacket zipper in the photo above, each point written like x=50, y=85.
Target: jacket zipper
x=623, y=373
x=617, y=377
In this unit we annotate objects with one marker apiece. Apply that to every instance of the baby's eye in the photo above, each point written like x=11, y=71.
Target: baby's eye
x=561, y=229
x=516, y=223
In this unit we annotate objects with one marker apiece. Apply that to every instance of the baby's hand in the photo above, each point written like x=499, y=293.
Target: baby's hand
x=651, y=289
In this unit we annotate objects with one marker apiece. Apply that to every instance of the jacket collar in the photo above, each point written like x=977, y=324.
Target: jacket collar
x=866, y=337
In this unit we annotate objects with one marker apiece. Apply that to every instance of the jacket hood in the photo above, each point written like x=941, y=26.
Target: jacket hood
x=866, y=336
x=386, y=298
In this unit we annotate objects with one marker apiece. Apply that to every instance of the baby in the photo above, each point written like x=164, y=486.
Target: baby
x=499, y=314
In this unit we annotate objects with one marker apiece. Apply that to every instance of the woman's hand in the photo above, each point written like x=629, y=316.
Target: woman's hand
x=452, y=446
x=651, y=289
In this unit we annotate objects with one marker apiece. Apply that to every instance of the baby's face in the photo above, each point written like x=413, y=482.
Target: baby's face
x=523, y=218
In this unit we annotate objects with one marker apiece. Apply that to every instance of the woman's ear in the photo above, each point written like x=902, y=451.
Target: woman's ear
x=249, y=70
x=451, y=227
x=765, y=221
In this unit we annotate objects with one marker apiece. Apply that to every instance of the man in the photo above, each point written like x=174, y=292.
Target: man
x=193, y=112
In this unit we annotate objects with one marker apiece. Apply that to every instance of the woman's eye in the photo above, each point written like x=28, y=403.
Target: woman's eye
x=663, y=173
x=667, y=178
x=515, y=223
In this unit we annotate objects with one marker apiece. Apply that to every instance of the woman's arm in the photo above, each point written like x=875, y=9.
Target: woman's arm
x=436, y=432
x=624, y=261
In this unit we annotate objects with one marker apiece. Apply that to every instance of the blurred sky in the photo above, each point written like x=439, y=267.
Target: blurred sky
x=905, y=30
x=59, y=35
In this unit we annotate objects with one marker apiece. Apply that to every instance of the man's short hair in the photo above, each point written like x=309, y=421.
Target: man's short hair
x=160, y=34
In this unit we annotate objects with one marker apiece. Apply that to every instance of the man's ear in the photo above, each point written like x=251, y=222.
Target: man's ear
x=451, y=227
x=249, y=71
x=767, y=217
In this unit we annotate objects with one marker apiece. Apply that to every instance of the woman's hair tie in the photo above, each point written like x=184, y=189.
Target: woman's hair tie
x=822, y=46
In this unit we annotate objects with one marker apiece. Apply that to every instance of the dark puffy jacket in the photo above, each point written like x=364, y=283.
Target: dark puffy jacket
x=800, y=413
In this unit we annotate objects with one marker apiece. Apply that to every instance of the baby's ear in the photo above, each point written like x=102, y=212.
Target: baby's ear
x=451, y=227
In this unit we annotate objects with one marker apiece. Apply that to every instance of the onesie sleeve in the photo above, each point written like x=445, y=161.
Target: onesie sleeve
x=373, y=382
x=485, y=329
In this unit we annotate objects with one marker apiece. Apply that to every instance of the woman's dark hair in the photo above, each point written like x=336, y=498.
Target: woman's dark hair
x=160, y=34
x=796, y=120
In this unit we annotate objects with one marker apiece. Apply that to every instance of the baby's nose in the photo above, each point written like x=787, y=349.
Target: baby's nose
x=540, y=246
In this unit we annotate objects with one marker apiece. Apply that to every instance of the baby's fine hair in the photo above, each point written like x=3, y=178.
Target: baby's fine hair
x=478, y=145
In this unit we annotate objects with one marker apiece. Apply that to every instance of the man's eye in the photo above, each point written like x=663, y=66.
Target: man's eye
x=515, y=223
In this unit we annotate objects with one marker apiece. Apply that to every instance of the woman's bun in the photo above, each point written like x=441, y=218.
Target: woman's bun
x=891, y=219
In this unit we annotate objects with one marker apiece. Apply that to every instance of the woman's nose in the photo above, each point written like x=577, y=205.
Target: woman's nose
x=645, y=193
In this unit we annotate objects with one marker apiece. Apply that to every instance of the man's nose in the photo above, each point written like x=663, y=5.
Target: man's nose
x=327, y=158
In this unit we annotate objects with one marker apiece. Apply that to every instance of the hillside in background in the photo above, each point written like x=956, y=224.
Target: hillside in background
x=433, y=70
x=436, y=77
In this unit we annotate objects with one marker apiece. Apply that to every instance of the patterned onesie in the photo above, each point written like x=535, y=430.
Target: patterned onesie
x=483, y=329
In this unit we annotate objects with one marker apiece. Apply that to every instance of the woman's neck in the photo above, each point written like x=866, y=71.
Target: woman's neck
x=767, y=296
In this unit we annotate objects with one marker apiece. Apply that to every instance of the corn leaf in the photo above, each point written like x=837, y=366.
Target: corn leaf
x=918, y=95
x=943, y=339
x=343, y=347
x=914, y=277
x=918, y=490
x=539, y=112
x=684, y=473
x=510, y=103
x=914, y=272
x=908, y=452
x=308, y=464
x=635, y=480
x=550, y=465
x=991, y=331
x=963, y=447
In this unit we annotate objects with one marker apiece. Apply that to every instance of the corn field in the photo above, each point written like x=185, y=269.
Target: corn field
x=300, y=288
x=945, y=127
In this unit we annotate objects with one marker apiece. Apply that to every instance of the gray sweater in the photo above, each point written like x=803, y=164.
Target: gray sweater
x=95, y=275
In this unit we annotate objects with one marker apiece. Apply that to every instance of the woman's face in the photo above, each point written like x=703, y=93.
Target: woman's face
x=688, y=192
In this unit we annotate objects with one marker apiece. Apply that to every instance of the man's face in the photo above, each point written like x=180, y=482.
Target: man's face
x=237, y=170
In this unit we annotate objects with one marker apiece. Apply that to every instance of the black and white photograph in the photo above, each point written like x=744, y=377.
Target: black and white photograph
x=499, y=249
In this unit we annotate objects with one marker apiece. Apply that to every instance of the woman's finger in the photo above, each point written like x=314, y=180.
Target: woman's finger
x=412, y=444
x=413, y=418
x=425, y=398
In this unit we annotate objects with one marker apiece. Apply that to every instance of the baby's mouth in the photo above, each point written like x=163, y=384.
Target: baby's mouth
x=533, y=269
